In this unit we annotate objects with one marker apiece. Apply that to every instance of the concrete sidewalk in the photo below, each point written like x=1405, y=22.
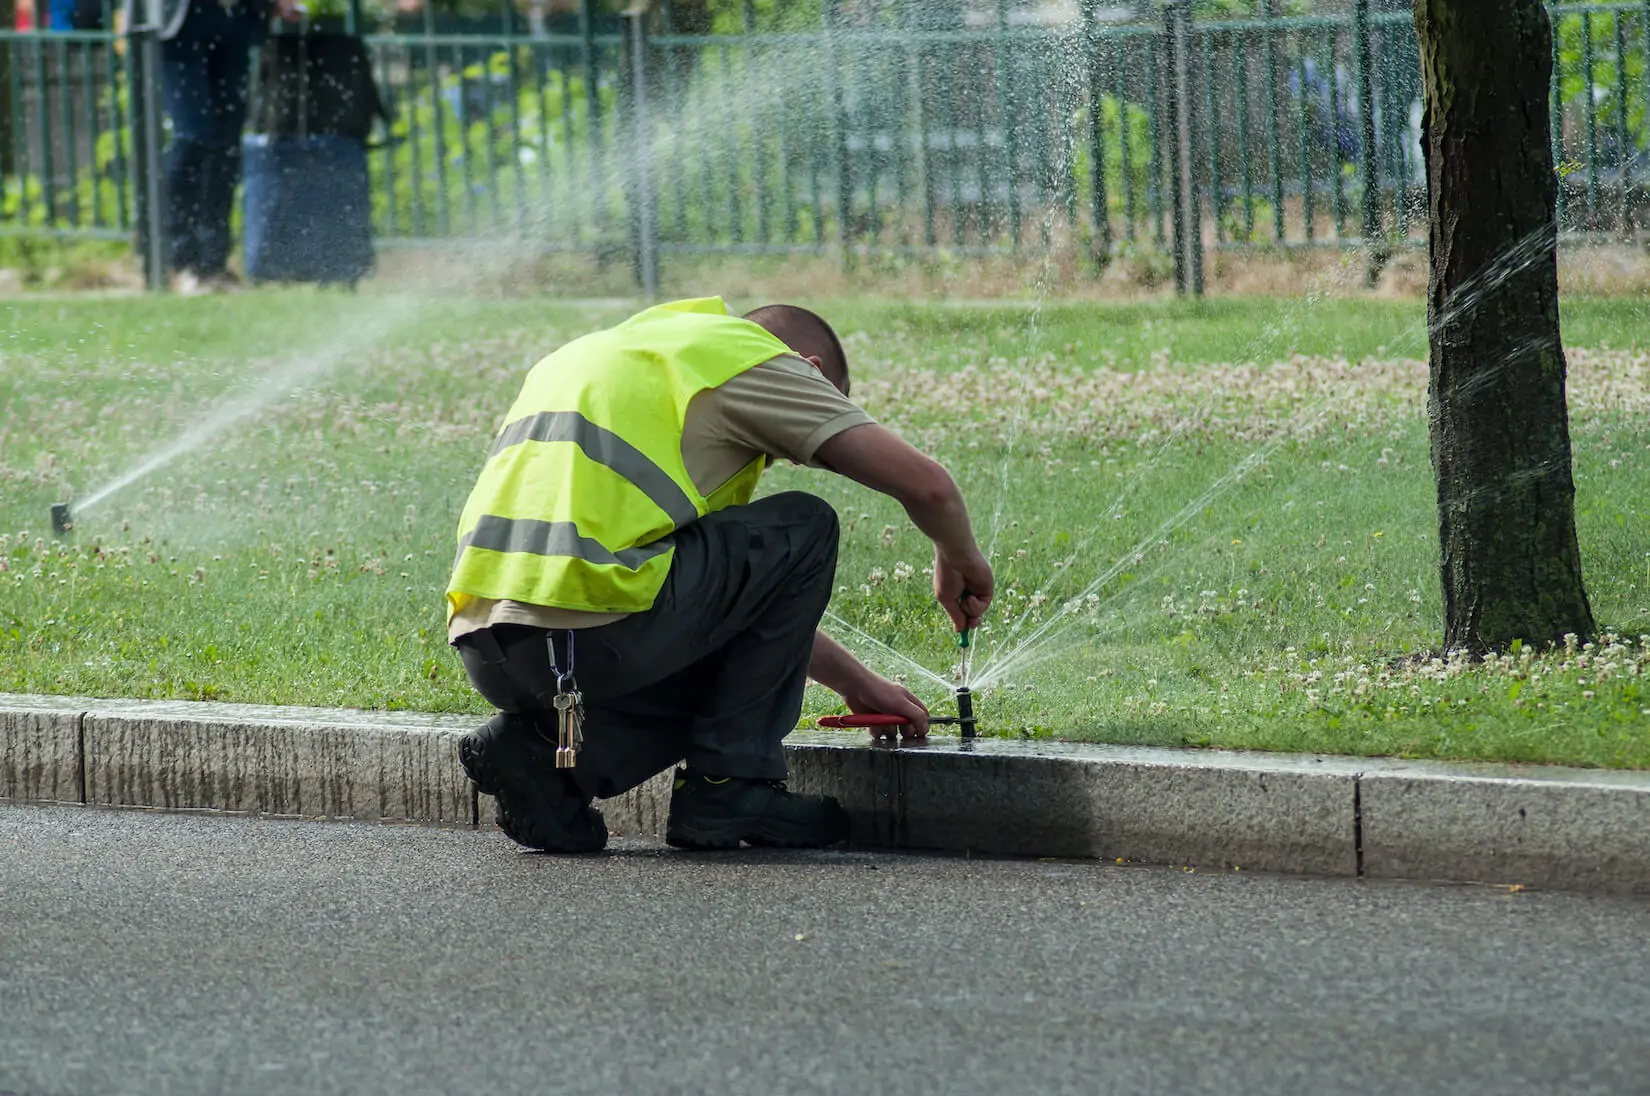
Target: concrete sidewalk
x=1574, y=829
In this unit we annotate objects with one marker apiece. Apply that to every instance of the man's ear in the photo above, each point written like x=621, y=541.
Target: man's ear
x=819, y=364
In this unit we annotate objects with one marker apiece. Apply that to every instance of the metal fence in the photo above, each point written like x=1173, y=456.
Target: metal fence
x=876, y=130
x=65, y=135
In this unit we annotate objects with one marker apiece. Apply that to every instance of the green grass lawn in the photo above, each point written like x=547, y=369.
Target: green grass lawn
x=1213, y=522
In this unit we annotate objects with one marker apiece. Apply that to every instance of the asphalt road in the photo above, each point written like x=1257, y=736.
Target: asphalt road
x=151, y=953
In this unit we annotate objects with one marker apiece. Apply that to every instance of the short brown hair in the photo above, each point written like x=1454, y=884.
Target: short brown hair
x=808, y=334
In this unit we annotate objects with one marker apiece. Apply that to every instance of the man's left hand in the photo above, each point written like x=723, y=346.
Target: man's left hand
x=878, y=694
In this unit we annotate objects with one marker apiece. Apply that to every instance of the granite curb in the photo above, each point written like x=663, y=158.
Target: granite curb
x=1537, y=826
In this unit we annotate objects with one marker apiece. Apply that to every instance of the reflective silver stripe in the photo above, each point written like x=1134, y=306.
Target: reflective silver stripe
x=604, y=447
x=553, y=538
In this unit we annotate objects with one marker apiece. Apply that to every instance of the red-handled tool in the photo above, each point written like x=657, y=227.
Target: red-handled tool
x=873, y=719
x=878, y=719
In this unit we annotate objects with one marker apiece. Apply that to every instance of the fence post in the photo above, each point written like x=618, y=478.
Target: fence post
x=1274, y=150
x=1590, y=101
x=42, y=120
x=839, y=111
x=1169, y=140
x=1188, y=146
x=8, y=18
x=1180, y=120
x=643, y=212
x=593, y=118
x=1100, y=206
x=1374, y=246
x=148, y=165
x=1003, y=66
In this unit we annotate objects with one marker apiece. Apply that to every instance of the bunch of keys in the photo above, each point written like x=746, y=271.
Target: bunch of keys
x=569, y=705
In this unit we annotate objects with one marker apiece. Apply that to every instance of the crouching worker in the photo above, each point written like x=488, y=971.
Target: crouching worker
x=626, y=606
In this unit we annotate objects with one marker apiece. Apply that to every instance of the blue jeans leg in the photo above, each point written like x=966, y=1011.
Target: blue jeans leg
x=204, y=91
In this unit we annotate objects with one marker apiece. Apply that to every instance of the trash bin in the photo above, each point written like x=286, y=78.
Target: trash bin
x=307, y=209
x=306, y=191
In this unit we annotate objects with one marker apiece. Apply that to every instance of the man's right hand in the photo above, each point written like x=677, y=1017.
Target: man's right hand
x=963, y=586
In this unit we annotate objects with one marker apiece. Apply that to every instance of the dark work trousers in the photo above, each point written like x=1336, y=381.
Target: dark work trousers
x=203, y=87
x=713, y=673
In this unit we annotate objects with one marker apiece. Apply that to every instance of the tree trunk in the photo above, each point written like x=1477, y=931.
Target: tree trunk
x=1500, y=430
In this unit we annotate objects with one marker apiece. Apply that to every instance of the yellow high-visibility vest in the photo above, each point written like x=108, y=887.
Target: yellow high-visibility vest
x=585, y=483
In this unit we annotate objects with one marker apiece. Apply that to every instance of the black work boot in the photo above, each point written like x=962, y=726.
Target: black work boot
x=718, y=813
x=539, y=805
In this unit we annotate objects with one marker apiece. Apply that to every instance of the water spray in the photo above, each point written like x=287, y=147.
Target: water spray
x=964, y=719
x=62, y=520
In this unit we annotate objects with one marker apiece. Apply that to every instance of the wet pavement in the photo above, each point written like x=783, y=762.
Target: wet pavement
x=152, y=953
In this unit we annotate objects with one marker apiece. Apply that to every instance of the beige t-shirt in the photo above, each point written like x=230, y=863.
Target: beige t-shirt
x=783, y=408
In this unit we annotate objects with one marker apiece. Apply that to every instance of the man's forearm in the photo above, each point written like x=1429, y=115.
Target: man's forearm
x=939, y=511
x=833, y=666
x=880, y=459
x=864, y=691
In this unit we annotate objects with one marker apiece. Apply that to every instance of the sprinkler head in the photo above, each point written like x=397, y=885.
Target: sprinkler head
x=965, y=711
x=61, y=521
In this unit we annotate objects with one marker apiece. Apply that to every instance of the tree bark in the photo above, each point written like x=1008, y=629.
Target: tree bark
x=1510, y=565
